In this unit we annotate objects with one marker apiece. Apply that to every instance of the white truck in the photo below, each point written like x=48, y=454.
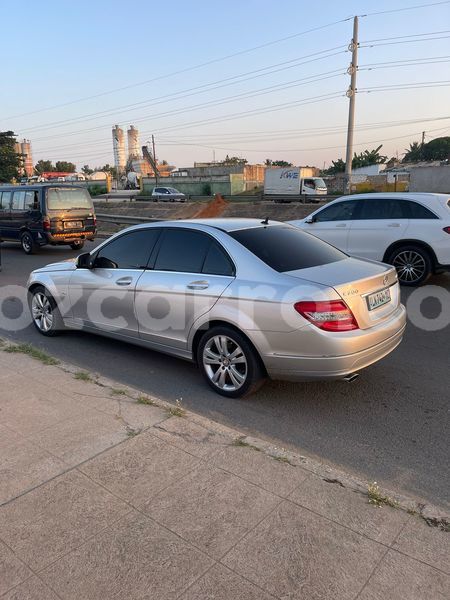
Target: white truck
x=288, y=184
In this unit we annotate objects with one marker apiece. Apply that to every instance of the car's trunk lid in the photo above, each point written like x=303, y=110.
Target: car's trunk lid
x=357, y=282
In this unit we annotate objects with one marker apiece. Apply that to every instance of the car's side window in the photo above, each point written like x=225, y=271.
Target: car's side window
x=217, y=261
x=31, y=200
x=341, y=211
x=182, y=250
x=129, y=251
x=5, y=199
x=383, y=208
x=418, y=211
x=18, y=201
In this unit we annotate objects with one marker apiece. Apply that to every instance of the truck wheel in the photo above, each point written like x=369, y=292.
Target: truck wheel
x=27, y=242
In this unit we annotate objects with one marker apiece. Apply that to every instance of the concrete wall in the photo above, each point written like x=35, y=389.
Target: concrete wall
x=197, y=186
x=430, y=179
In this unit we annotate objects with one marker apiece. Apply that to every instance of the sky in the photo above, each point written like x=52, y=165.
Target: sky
x=249, y=78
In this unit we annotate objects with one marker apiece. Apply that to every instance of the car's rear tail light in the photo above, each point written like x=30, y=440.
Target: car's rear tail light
x=95, y=221
x=447, y=229
x=330, y=315
x=46, y=223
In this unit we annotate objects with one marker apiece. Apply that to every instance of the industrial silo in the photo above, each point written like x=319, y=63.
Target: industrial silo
x=25, y=147
x=120, y=160
x=133, y=143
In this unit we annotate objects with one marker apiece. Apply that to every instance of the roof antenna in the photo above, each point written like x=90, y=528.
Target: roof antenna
x=265, y=222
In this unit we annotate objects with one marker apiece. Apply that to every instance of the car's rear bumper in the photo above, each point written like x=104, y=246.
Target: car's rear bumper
x=305, y=368
x=67, y=238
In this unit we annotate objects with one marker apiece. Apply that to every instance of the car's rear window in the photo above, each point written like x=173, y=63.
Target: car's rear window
x=286, y=248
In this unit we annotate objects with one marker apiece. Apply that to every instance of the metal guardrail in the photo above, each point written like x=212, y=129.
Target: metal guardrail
x=118, y=219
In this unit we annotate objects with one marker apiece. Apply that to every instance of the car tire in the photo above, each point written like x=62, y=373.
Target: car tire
x=413, y=263
x=229, y=363
x=27, y=242
x=77, y=245
x=45, y=312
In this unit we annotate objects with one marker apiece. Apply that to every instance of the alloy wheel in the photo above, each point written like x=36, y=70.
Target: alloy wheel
x=410, y=266
x=42, y=312
x=225, y=363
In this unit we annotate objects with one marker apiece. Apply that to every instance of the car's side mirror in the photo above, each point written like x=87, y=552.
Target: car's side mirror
x=310, y=219
x=84, y=261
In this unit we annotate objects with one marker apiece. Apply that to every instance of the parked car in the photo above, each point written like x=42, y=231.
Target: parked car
x=408, y=230
x=36, y=215
x=242, y=298
x=167, y=194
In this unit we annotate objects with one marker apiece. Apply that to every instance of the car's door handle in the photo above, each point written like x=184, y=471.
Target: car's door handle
x=341, y=225
x=394, y=225
x=197, y=285
x=124, y=281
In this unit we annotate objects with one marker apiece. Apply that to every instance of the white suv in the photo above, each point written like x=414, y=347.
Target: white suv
x=409, y=231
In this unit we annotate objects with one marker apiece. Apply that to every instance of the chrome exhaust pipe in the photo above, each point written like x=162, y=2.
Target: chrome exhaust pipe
x=351, y=377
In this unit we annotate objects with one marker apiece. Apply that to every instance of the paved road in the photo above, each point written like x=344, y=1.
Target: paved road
x=391, y=425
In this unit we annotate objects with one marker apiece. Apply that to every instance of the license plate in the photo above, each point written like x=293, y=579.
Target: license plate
x=73, y=224
x=379, y=298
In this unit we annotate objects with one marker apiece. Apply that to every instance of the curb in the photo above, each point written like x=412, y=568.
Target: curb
x=433, y=515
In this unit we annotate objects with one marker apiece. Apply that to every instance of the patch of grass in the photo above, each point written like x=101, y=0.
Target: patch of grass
x=283, y=459
x=176, y=411
x=35, y=353
x=132, y=432
x=241, y=443
x=83, y=376
x=377, y=498
x=146, y=401
x=117, y=392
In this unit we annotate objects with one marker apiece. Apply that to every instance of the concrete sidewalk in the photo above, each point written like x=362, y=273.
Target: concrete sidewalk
x=108, y=494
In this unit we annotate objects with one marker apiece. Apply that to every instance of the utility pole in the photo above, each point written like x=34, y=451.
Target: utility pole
x=423, y=138
x=154, y=158
x=351, y=93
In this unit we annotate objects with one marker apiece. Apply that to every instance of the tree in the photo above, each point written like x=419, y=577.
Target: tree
x=337, y=166
x=65, y=167
x=364, y=159
x=44, y=166
x=234, y=160
x=414, y=153
x=277, y=163
x=87, y=170
x=437, y=149
x=10, y=161
x=368, y=157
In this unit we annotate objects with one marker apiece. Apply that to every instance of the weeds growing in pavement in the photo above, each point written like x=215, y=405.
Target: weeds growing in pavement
x=146, y=401
x=377, y=498
x=117, y=392
x=35, y=353
x=176, y=411
x=241, y=443
x=83, y=376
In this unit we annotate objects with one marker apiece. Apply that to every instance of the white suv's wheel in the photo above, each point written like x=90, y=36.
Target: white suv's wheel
x=229, y=363
x=413, y=264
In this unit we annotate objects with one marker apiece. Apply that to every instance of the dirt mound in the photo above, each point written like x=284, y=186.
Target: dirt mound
x=215, y=208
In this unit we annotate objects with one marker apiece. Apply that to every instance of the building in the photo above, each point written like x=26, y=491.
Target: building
x=24, y=149
x=134, y=150
x=120, y=159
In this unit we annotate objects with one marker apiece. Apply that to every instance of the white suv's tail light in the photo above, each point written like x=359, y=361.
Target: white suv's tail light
x=329, y=315
x=447, y=229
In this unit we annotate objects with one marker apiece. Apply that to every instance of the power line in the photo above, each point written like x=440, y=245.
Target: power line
x=401, y=37
x=185, y=70
x=394, y=10
x=159, y=99
x=444, y=37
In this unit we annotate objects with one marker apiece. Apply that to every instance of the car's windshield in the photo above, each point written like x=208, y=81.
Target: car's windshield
x=286, y=248
x=320, y=183
x=65, y=198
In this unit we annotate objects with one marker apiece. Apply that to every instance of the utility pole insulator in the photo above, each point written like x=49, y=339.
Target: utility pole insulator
x=351, y=70
x=349, y=93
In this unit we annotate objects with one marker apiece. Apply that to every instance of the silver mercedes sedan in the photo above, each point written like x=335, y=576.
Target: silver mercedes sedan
x=245, y=299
